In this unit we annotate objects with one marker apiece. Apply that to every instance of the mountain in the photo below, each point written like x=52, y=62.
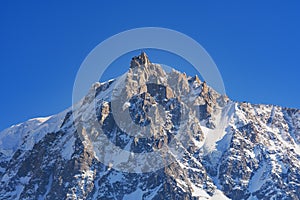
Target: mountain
x=152, y=134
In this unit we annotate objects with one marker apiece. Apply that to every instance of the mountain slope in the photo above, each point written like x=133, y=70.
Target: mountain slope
x=224, y=149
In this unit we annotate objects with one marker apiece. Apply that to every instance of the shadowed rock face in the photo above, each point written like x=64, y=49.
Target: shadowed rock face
x=230, y=149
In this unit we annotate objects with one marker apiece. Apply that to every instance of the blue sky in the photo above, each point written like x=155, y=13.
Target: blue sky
x=255, y=45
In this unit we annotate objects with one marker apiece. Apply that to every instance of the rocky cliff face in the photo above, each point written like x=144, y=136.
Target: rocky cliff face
x=222, y=149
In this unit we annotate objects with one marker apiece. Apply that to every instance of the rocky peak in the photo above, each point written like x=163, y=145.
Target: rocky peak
x=137, y=61
x=229, y=149
x=204, y=87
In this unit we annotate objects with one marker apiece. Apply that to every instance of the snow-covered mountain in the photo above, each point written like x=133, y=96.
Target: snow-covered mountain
x=222, y=149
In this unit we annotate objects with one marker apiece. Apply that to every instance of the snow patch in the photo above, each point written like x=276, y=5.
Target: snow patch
x=68, y=148
x=218, y=195
x=138, y=194
x=199, y=192
x=258, y=178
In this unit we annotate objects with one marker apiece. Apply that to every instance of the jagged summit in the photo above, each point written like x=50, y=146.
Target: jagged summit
x=142, y=59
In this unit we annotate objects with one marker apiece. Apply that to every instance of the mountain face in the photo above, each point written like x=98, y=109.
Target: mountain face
x=151, y=134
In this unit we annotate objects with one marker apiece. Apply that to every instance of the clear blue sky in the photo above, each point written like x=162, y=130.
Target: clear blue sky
x=255, y=44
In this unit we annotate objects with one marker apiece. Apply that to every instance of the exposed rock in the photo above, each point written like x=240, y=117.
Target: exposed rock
x=139, y=60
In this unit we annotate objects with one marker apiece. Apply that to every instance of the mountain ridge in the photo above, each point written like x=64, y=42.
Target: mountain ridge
x=227, y=150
